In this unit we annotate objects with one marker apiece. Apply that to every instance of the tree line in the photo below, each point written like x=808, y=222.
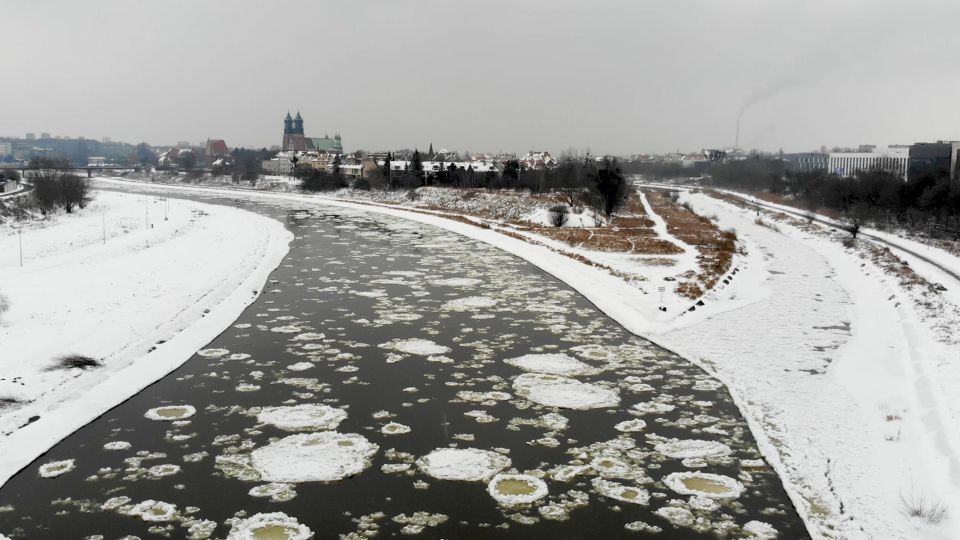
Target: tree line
x=54, y=186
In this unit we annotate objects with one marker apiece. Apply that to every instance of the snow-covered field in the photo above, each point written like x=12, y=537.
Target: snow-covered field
x=141, y=301
x=844, y=385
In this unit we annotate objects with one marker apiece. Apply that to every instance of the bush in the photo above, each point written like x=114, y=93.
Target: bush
x=4, y=306
x=919, y=507
x=76, y=361
x=559, y=215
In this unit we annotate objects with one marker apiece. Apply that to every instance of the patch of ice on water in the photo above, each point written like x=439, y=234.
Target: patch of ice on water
x=157, y=511
x=714, y=486
x=54, y=469
x=761, y=530
x=286, y=329
x=456, y=282
x=470, y=395
x=468, y=464
x=315, y=457
x=692, y=448
x=470, y=303
x=213, y=353
x=159, y=471
x=630, y=426
x=117, y=445
x=300, y=366
x=247, y=387
x=423, y=347
x=277, y=491
x=552, y=364
x=302, y=417
x=676, y=515
x=556, y=391
x=274, y=524
x=651, y=407
x=620, y=492
x=516, y=489
x=394, y=428
x=170, y=413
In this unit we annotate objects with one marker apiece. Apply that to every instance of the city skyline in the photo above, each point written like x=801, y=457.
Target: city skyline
x=619, y=78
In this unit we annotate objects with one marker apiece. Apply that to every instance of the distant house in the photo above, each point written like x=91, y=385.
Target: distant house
x=8, y=186
x=96, y=161
x=279, y=165
x=538, y=161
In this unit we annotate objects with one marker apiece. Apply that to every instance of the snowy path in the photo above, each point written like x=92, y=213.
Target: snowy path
x=835, y=374
x=660, y=227
x=100, y=283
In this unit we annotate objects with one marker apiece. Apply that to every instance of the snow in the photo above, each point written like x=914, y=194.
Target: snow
x=126, y=294
x=467, y=464
x=575, y=217
x=555, y=391
x=553, y=364
x=815, y=392
x=316, y=457
x=302, y=417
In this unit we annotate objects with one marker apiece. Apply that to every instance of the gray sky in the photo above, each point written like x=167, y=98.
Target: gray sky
x=612, y=76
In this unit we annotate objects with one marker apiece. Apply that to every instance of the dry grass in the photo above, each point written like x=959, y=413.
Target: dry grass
x=715, y=246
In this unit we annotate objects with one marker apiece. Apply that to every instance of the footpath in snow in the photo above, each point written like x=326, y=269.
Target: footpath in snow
x=141, y=300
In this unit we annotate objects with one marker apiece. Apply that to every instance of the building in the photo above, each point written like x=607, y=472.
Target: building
x=217, y=151
x=8, y=186
x=942, y=155
x=893, y=159
x=537, y=161
x=281, y=164
x=806, y=162
x=294, y=139
x=96, y=161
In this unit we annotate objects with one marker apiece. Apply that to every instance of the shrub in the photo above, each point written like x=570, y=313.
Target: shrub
x=917, y=506
x=4, y=306
x=78, y=361
x=559, y=215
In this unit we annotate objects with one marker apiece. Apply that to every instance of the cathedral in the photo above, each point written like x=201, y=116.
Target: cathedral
x=295, y=140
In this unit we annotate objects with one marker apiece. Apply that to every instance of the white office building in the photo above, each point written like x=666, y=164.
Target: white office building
x=894, y=159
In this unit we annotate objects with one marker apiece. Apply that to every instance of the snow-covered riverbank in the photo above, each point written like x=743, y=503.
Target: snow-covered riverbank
x=118, y=283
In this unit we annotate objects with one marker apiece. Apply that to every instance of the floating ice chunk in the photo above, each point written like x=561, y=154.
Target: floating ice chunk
x=704, y=504
x=423, y=347
x=117, y=445
x=610, y=467
x=306, y=417
x=300, y=366
x=247, y=387
x=620, y=492
x=468, y=464
x=115, y=502
x=553, y=364
x=456, y=282
x=170, y=413
x=159, y=471
x=692, y=448
x=309, y=336
x=54, y=469
x=277, y=491
x=394, y=428
x=494, y=395
x=630, y=426
x=266, y=526
x=151, y=510
x=761, y=530
x=213, y=353
x=677, y=515
x=714, y=486
x=470, y=303
x=651, y=407
x=315, y=457
x=556, y=391
x=516, y=489
x=287, y=329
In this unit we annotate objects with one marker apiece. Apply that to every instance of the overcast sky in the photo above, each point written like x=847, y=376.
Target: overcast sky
x=614, y=77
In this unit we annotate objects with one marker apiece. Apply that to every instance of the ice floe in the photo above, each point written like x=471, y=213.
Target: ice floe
x=274, y=525
x=315, y=457
x=302, y=417
x=556, y=391
x=714, y=486
x=54, y=469
x=692, y=448
x=468, y=464
x=422, y=347
x=552, y=364
x=516, y=489
x=170, y=413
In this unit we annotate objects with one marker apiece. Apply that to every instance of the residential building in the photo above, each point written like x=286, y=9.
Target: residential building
x=6, y=149
x=216, y=151
x=537, y=161
x=281, y=164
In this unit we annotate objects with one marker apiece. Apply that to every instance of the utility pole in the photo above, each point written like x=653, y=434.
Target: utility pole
x=146, y=211
x=20, y=238
x=103, y=215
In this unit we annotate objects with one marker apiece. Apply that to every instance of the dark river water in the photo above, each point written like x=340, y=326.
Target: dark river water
x=382, y=324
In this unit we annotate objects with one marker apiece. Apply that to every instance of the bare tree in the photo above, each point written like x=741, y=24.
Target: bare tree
x=852, y=220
